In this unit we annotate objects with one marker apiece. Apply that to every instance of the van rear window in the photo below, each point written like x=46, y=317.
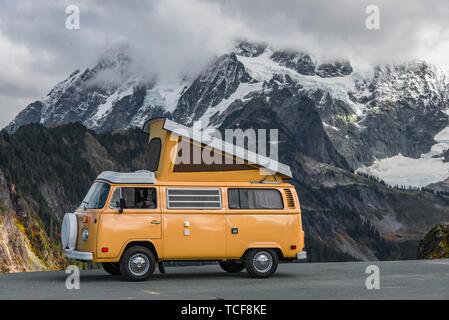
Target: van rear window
x=248, y=198
x=194, y=198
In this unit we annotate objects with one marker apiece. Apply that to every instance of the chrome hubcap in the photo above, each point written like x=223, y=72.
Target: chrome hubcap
x=262, y=261
x=139, y=264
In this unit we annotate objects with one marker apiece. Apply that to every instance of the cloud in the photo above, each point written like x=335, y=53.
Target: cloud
x=408, y=29
x=170, y=38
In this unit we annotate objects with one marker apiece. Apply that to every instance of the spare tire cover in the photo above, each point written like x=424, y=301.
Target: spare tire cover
x=69, y=231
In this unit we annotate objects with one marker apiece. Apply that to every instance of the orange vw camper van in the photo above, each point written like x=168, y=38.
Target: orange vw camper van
x=131, y=222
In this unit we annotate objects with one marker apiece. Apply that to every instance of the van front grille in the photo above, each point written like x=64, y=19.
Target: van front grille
x=290, y=200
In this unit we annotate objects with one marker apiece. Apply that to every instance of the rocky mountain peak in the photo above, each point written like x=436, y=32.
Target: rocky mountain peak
x=339, y=68
x=217, y=83
x=247, y=49
x=301, y=62
x=305, y=64
x=415, y=81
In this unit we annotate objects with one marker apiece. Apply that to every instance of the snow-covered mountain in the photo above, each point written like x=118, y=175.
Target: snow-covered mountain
x=111, y=95
x=390, y=122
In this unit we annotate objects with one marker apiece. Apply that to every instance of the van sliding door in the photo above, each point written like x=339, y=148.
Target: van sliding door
x=194, y=224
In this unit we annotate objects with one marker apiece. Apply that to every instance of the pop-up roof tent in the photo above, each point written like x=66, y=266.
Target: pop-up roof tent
x=176, y=154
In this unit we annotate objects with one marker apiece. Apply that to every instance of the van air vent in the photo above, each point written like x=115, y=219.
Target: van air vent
x=290, y=200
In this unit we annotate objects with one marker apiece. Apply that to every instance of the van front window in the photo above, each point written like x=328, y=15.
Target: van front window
x=96, y=197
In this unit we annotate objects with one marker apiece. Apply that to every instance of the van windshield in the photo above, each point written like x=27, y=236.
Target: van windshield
x=96, y=196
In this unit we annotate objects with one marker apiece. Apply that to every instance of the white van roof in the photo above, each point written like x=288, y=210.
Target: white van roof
x=140, y=177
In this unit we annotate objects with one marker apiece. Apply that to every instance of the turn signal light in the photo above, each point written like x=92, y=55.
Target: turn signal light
x=104, y=249
x=86, y=219
x=293, y=247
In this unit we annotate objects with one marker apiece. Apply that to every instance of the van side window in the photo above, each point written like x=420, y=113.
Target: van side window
x=135, y=198
x=247, y=198
x=193, y=198
x=154, y=154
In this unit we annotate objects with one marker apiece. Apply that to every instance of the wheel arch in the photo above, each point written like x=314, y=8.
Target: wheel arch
x=273, y=247
x=143, y=243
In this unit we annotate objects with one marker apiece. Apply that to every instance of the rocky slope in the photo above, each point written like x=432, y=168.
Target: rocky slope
x=44, y=173
x=435, y=244
x=24, y=243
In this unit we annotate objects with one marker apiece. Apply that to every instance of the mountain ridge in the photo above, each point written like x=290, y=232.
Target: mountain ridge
x=352, y=105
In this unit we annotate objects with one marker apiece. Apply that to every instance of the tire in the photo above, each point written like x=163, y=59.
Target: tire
x=261, y=263
x=232, y=266
x=112, y=268
x=137, y=264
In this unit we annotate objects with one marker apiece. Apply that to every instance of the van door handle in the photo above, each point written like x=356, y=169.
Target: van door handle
x=155, y=222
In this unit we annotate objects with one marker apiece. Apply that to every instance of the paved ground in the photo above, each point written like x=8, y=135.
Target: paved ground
x=398, y=280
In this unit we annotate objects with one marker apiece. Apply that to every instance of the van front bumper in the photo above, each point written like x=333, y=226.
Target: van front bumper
x=78, y=255
x=301, y=255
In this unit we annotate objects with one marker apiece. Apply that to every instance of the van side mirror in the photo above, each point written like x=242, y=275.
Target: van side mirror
x=121, y=205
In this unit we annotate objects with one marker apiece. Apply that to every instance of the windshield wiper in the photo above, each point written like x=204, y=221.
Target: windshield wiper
x=85, y=203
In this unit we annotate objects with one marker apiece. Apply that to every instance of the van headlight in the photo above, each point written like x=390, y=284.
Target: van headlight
x=85, y=234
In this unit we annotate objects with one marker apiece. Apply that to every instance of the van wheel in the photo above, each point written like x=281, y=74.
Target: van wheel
x=231, y=266
x=261, y=263
x=137, y=264
x=111, y=268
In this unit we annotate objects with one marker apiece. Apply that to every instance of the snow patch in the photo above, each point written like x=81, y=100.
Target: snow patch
x=104, y=109
x=331, y=127
x=166, y=96
x=240, y=93
x=162, y=95
x=404, y=171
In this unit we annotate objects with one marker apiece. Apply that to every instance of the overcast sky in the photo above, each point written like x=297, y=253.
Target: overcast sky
x=172, y=37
